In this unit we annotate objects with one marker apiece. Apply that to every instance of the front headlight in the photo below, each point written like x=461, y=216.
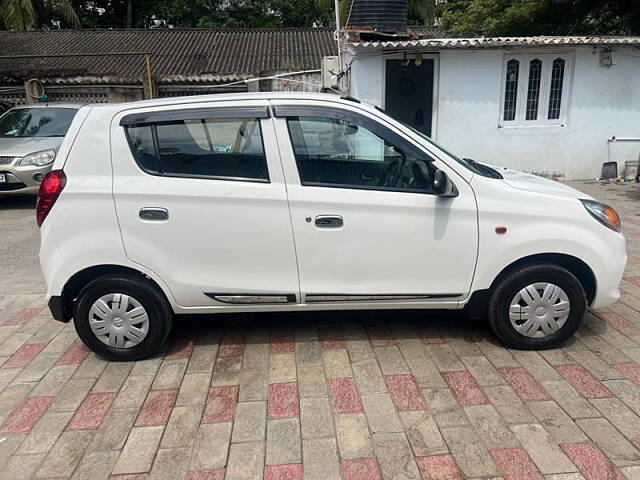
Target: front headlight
x=38, y=159
x=603, y=213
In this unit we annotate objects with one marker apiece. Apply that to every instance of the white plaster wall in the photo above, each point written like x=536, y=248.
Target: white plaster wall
x=603, y=102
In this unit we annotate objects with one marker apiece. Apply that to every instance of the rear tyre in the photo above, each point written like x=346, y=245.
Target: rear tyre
x=537, y=307
x=123, y=317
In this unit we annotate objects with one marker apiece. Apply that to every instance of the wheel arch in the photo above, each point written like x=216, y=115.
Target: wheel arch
x=479, y=301
x=81, y=278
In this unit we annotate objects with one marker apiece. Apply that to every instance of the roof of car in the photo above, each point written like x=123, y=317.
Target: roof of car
x=51, y=105
x=220, y=97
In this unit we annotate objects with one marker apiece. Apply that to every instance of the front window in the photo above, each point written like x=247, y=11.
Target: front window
x=332, y=152
x=36, y=122
x=534, y=89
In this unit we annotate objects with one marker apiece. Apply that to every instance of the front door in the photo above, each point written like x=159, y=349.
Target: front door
x=201, y=201
x=409, y=92
x=365, y=222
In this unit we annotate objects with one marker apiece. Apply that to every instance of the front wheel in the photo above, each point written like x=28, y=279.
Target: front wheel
x=537, y=307
x=122, y=317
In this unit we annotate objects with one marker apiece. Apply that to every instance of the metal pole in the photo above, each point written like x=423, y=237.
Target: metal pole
x=337, y=9
x=149, y=82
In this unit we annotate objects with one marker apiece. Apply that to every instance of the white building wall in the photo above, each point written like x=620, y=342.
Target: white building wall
x=603, y=102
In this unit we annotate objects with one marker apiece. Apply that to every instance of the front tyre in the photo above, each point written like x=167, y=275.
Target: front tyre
x=122, y=317
x=537, y=307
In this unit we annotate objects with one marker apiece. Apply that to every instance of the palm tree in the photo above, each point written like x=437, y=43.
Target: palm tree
x=32, y=14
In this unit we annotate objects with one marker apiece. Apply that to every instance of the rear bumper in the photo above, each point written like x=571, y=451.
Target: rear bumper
x=58, y=310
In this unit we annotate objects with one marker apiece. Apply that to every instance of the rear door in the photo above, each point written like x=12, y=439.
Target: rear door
x=201, y=201
x=366, y=224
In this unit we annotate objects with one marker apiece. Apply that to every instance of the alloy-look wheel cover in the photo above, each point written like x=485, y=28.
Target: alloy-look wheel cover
x=539, y=310
x=118, y=320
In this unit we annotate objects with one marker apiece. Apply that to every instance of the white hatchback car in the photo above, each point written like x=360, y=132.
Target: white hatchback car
x=291, y=202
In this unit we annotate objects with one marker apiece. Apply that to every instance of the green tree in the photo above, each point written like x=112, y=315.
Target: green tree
x=541, y=17
x=33, y=14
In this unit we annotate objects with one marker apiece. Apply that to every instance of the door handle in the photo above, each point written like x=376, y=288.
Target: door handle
x=154, y=214
x=329, y=221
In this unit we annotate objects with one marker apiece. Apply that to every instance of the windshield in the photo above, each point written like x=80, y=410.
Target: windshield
x=36, y=122
x=474, y=166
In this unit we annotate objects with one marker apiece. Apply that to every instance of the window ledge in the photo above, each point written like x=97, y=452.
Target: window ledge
x=548, y=125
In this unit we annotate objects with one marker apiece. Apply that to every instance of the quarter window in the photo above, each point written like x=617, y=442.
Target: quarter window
x=534, y=90
x=339, y=153
x=219, y=148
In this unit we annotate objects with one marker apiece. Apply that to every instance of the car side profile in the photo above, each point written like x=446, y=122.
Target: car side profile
x=291, y=202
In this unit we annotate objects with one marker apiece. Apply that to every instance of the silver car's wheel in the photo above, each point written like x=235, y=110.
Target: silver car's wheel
x=539, y=310
x=118, y=320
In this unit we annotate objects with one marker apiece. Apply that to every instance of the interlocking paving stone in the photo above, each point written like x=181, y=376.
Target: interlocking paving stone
x=221, y=404
x=344, y=395
x=283, y=400
x=439, y=467
x=544, y=452
x=465, y=388
x=354, y=439
x=583, y=381
x=320, y=459
x=404, y=392
x=157, y=408
x=139, y=451
x=65, y=454
x=211, y=446
x=26, y=415
x=90, y=414
x=525, y=386
x=250, y=423
x=246, y=461
x=515, y=464
x=284, y=441
x=283, y=472
x=593, y=464
x=360, y=469
x=24, y=355
x=395, y=456
x=315, y=417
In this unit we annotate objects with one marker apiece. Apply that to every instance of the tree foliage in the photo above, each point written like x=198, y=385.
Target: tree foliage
x=34, y=14
x=541, y=17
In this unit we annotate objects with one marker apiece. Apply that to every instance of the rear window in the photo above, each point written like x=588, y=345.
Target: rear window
x=36, y=122
x=219, y=148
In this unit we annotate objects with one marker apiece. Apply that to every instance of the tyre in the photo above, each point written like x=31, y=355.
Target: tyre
x=537, y=307
x=123, y=317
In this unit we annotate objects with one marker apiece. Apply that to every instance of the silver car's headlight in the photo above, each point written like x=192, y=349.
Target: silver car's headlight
x=603, y=213
x=38, y=159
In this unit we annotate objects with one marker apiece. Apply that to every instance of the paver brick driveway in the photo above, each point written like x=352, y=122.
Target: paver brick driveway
x=393, y=395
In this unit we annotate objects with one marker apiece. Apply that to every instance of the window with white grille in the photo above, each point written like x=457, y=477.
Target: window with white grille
x=535, y=89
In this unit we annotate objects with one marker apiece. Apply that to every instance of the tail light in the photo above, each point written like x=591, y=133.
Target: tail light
x=50, y=189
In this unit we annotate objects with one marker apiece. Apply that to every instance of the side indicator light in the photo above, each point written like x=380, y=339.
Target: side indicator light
x=501, y=230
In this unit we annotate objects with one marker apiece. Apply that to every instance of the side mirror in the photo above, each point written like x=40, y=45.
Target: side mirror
x=442, y=185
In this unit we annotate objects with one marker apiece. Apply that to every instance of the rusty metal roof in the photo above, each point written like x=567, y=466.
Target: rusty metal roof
x=185, y=55
x=498, y=42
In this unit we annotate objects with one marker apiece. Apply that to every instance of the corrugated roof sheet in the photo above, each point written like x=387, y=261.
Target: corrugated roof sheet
x=499, y=42
x=215, y=54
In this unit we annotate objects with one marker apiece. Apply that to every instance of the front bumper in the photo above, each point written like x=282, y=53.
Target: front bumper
x=22, y=180
x=58, y=310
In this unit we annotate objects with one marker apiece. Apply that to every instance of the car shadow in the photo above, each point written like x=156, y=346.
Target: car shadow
x=381, y=327
x=17, y=202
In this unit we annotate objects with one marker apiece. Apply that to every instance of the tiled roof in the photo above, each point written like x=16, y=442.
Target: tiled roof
x=176, y=54
x=499, y=42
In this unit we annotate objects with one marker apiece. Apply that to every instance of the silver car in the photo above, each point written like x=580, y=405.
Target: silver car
x=29, y=140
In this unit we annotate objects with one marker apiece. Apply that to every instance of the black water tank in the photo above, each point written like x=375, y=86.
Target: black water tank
x=382, y=15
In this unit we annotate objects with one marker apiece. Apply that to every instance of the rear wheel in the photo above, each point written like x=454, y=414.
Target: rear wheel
x=537, y=307
x=122, y=317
